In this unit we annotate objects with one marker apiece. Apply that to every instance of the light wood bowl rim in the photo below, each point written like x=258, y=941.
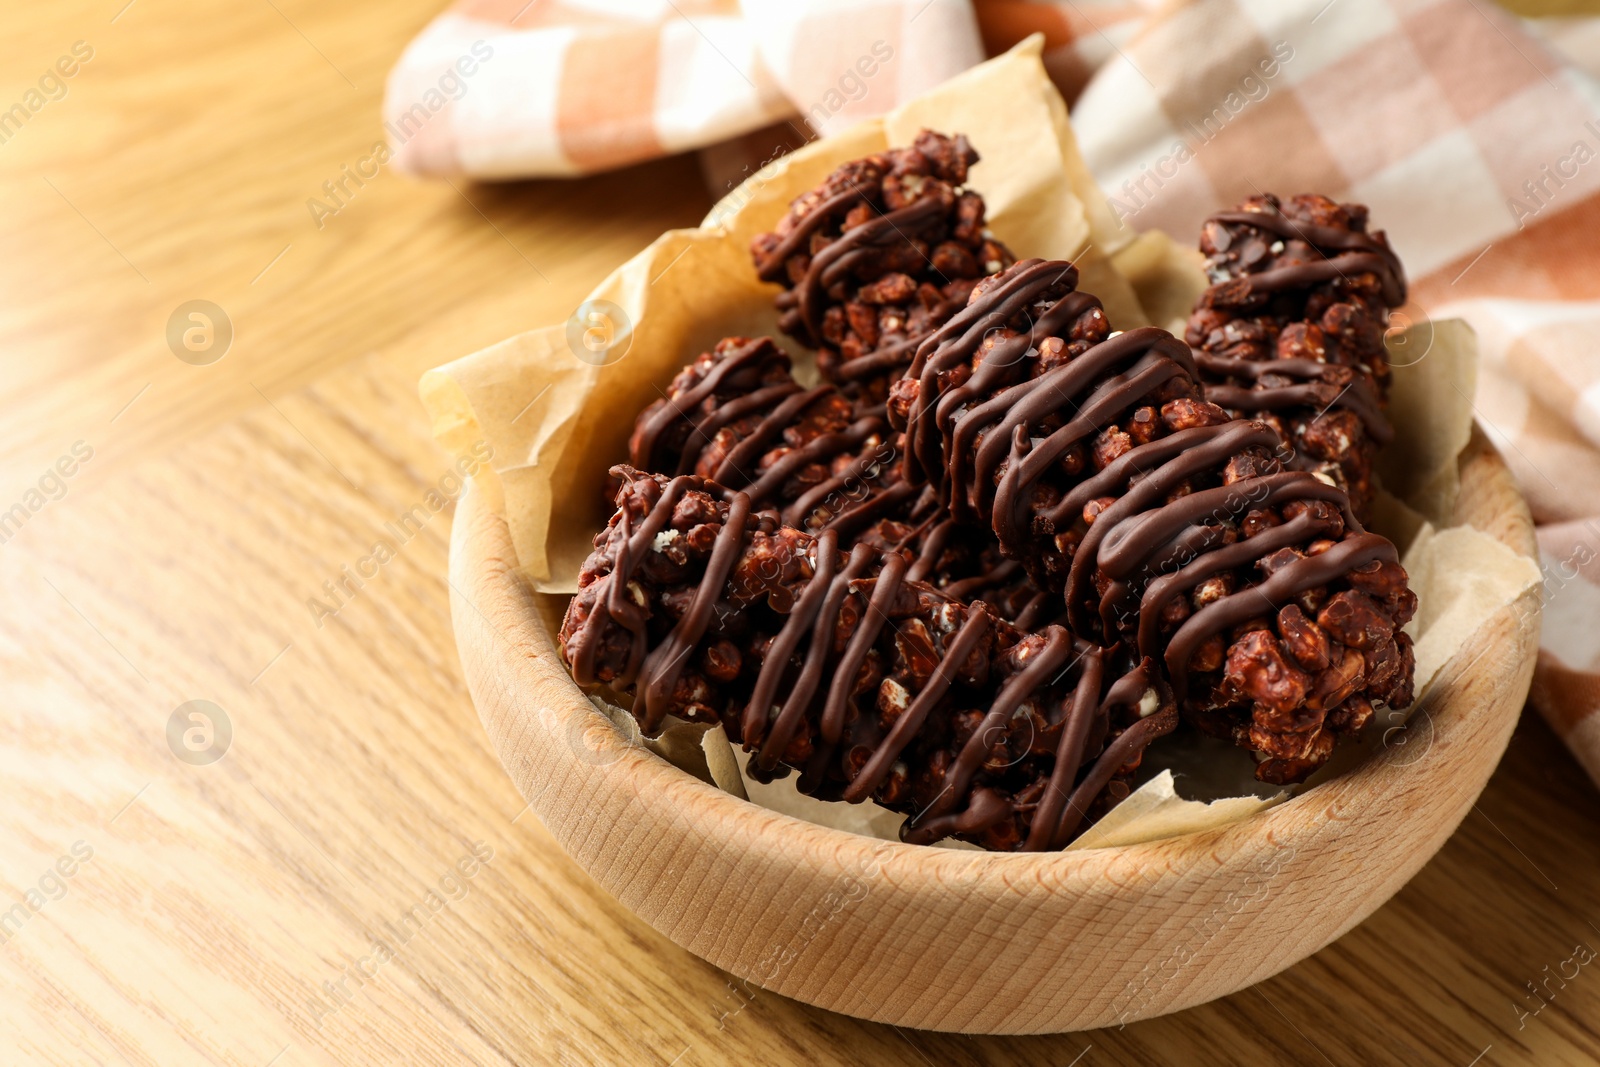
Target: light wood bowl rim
x=556, y=778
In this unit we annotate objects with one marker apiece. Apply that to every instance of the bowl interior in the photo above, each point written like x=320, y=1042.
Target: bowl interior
x=982, y=942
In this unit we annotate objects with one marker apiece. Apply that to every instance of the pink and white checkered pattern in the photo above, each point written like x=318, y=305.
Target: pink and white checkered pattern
x=1477, y=147
x=1473, y=137
x=560, y=87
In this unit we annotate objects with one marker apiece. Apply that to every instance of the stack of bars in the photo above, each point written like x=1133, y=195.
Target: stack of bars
x=1003, y=547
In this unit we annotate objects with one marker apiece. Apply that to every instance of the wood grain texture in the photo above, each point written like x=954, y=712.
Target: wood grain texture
x=219, y=899
x=974, y=943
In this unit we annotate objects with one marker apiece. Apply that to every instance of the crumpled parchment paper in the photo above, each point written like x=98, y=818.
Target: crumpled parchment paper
x=557, y=404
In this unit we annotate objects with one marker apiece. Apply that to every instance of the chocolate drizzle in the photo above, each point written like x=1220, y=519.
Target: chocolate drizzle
x=1355, y=252
x=775, y=574
x=873, y=259
x=834, y=263
x=1309, y=390
x=748, y=382
x=1291, y=330
x=1157, y=540
x=1073, y=681
x=736, y=359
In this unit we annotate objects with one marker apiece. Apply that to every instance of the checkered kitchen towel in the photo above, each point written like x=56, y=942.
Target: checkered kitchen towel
x=519, y=88
x=1474, y=138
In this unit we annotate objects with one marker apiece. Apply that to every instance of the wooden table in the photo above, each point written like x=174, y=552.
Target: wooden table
x=182, y=911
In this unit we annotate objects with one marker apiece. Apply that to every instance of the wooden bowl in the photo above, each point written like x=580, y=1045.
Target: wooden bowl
x=977, y=942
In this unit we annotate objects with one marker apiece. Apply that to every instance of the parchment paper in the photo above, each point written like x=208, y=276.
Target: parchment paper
x=557, y=413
